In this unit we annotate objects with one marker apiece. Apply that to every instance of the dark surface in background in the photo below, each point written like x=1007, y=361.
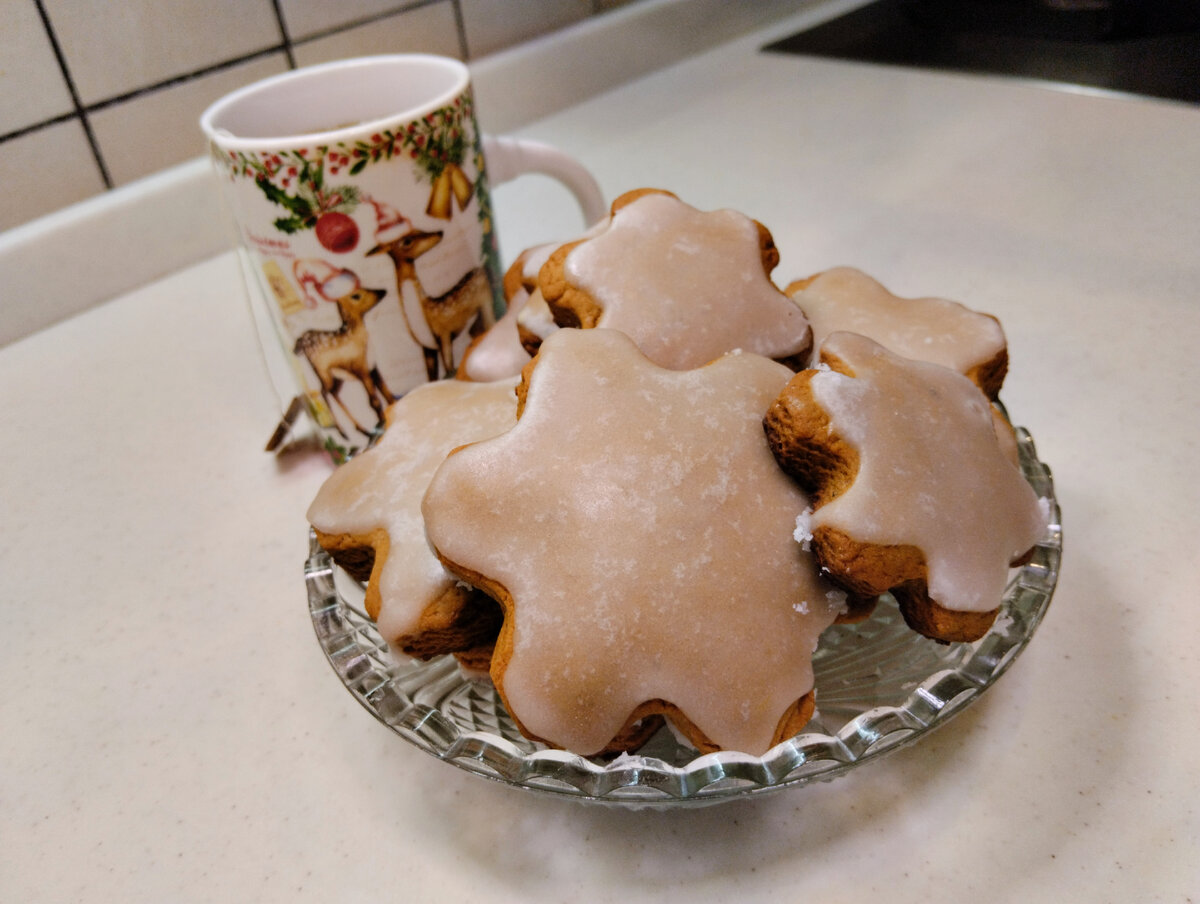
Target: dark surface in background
x=1148, y=47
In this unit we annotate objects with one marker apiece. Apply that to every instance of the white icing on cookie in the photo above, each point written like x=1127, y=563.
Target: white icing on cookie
x=535, y=316
x=927, y=329
x=382, y=487
x=498, y=354
x=686, y=285
x=931, y=471
x=641, y=526
x=535, y=259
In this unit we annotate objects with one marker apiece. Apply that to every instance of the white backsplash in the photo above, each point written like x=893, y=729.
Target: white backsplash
x=94, y=94
x=164, y=214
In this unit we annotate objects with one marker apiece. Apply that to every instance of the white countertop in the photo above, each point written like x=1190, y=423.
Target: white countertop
x=170, y=731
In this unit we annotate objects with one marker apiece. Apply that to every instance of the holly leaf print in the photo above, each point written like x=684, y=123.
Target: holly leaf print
x=276, y=195
x=291, y=225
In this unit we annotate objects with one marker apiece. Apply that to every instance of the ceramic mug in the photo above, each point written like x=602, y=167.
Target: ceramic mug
x=360, y=194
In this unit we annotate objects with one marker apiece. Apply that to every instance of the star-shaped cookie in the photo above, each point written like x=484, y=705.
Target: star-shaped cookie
x=927, y=329
x=686, y=285
x=638, y=534
x=368, y=515
x=913, y=491
x=499, y=353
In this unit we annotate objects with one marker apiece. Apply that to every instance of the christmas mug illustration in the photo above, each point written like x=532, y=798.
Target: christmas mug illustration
x=360, y=191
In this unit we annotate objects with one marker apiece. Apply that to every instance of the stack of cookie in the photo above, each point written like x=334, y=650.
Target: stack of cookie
x=659, y=479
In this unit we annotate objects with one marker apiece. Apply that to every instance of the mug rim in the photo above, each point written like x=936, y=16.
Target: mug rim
x=227, y=140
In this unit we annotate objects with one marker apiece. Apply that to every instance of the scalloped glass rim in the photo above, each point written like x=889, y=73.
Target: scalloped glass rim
x=880, y=687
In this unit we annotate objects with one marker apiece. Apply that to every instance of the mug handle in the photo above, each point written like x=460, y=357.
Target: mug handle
x=508, y=158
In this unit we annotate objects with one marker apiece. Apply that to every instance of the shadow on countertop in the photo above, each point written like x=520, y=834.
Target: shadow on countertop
x=1144, y=47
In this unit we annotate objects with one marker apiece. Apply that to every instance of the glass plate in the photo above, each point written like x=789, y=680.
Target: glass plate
x=880, y=687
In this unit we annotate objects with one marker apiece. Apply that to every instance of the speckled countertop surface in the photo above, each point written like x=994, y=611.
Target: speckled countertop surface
x=169, y=730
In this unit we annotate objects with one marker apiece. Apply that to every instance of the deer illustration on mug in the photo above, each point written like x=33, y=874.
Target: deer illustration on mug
x=343, y=352
x=466, y=305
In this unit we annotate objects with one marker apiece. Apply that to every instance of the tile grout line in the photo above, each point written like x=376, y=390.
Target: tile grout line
x=41, y=124
x=287, y=47
x=351, y=24
x=80, y=109
x=460, y=25
x=181, y=79
x=288, y=50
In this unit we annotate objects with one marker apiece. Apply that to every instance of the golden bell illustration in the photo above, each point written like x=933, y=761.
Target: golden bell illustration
x=460, y=185
x=451, y=183
x=439, y=197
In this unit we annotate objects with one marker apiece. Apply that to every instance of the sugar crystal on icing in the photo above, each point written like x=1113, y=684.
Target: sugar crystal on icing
x=839, y=600
x=803, y=533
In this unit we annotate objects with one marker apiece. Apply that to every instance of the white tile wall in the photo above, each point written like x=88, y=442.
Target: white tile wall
x=31, y=84
x=46, y=169
x=112, y=49
x=425, y=29
x=160, y=128
x=95, y=93
x=305, y=18
x=491, y=25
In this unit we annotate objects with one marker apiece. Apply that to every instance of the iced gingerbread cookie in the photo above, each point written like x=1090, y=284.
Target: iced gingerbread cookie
x=535, y=322
x=912, y=491
x=499, y=353
x=928, y=329
x=507, y=347
x=368, y=516
x=687, y=286
x=637, y=533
